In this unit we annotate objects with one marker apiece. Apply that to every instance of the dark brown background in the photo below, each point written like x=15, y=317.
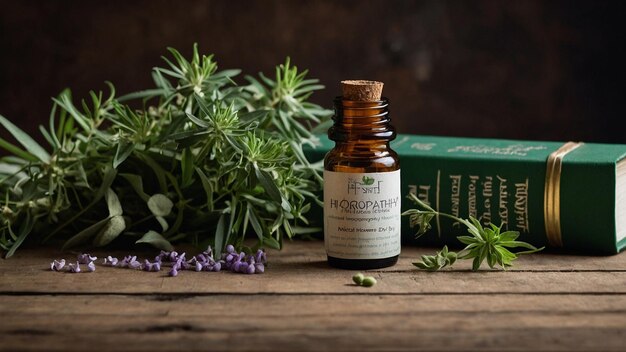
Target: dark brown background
x=514, y=69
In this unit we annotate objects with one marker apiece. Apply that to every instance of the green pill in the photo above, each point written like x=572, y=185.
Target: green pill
x=368, y=281
x=358, y=278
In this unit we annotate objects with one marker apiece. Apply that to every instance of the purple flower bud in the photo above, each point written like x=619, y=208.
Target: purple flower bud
x=85, y=258
x=249, y=259
x=125, y=263
x=217, y=267
x=156, y=266
x=229, y=258
x=260, y=257
x=259, y=268
x=181, y=264
x=201, y=258
x=57, y=265
x=91, y=267
x=73, y=268
x=147, y=266
x=243, y=267
x=173, y=256
x=250, y=269
x=173, y=272
x=110, y=261
x=134, y=264
x=235, y=267
x=198, y=266
x=230, y=248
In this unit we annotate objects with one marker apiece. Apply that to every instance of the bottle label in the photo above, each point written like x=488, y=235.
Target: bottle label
x=362, y=214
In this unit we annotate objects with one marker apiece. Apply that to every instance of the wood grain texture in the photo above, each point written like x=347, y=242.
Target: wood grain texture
x=548, y=303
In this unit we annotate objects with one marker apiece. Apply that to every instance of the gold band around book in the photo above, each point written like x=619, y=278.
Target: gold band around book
x=552, y=193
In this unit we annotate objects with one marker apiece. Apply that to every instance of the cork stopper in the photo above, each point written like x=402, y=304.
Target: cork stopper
x=361, y=90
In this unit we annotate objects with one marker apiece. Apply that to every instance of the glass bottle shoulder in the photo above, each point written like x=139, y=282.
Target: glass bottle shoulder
x=352, y=158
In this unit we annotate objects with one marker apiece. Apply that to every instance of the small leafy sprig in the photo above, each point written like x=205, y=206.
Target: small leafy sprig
x=440, y=260
x=483, y=243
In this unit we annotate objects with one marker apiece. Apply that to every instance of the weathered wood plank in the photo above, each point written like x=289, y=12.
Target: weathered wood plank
x=318, y=322
x=308, y=252
x=281, y=278
x=292, y=305
x=287, y=282
x=301, y=269
x=552, y=302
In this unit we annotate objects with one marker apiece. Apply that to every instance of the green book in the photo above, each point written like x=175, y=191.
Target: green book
x=569, y=195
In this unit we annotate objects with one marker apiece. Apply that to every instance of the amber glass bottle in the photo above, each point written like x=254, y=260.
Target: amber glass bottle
x=361, y=182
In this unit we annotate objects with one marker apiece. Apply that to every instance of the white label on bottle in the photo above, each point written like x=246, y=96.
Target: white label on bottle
x=362, y=214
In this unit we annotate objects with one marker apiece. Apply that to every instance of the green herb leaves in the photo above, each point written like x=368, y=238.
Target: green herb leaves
x=24, y=139
x=435, y=262
x=203, y=160
x=491, y=245
x=483, y=243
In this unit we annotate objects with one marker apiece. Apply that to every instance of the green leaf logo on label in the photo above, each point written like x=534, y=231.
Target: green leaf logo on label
x=368, y=180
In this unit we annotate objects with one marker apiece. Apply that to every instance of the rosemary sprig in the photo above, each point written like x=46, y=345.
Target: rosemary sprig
x=197, y=158
x=483, y=243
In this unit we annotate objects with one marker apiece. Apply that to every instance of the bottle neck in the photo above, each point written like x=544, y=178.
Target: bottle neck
x=358, y=122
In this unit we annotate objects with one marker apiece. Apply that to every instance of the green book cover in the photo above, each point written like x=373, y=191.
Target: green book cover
x=504, y=182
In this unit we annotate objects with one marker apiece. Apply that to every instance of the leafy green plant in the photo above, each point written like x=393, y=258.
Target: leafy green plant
x=197, y=158
x=483, y=243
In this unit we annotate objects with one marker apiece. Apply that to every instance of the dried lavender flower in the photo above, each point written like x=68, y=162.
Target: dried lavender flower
x=235, y=266
x=180, y=263
x=134, y=264
x=173, y=255
x=110, y=261
x=73, y=268
x=173, y=272
x=231, y=260
x=251, y=269
x=146, y=265
x=85, y=258
x=124, y=263
x=260, y=257
x=57, y=265
x=259, y=268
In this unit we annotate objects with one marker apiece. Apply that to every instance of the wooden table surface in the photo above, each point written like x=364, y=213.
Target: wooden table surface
x=547, y=302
